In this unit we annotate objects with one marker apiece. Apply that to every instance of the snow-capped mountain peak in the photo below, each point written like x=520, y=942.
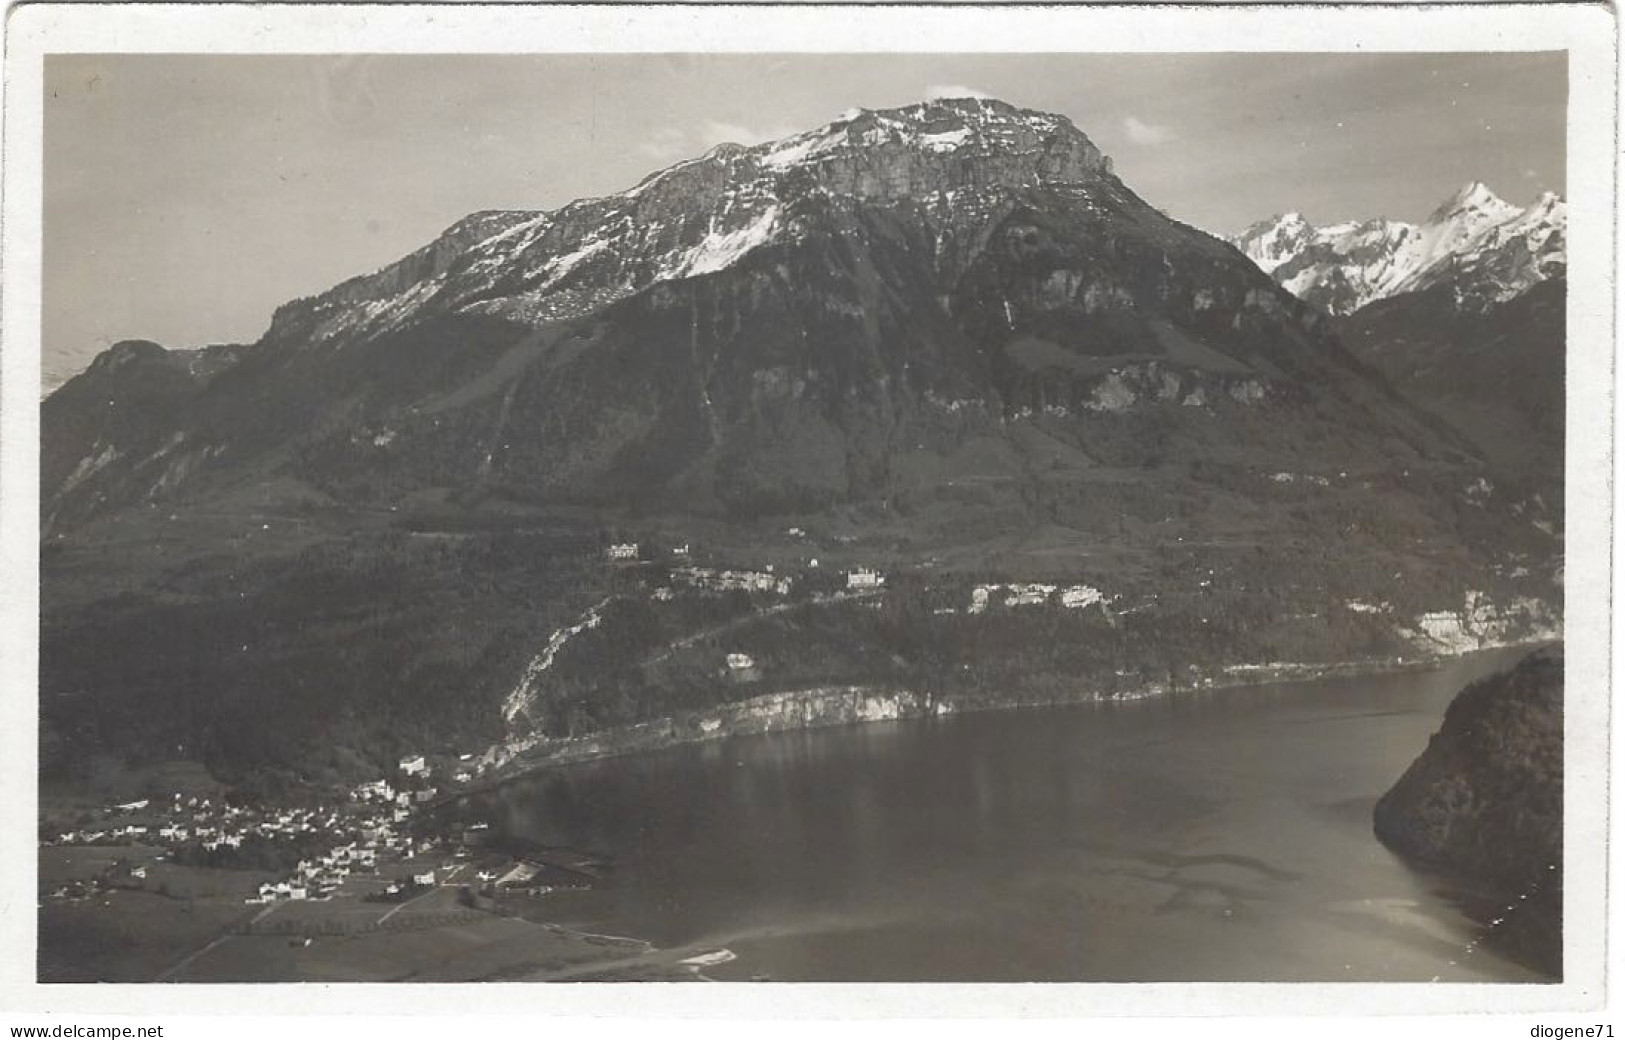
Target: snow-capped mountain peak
x=704, y=214
x=1492, y=249
x=1475, y=202
x=1273, y=242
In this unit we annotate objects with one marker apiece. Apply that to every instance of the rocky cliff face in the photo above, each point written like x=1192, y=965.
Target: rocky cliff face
x=1484, y=801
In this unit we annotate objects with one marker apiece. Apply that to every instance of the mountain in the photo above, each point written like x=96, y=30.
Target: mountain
x=762, y=328
x=1496, y=374
x=1482, y=246
x=1484, y=803
x=1463, y=314
x=945, y=339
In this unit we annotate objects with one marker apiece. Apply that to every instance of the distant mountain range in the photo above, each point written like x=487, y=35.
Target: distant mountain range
x=1485, y=248
x=945, y=339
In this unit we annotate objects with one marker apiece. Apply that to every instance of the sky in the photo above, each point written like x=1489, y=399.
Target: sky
x=187, y=196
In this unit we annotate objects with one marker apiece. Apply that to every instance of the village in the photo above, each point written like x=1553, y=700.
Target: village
x=314, y=850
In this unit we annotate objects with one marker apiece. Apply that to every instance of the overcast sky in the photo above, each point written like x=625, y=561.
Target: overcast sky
x=185, y=197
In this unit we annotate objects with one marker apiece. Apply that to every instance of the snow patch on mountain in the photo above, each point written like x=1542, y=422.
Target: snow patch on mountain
x=946, y=141
x=560, y=266
x=792, y=150
x=720, y=250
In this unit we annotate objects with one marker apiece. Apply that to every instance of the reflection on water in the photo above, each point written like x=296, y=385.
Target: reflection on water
x=1223, y=837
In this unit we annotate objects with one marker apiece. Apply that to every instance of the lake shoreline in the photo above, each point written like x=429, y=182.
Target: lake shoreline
x=856, y=704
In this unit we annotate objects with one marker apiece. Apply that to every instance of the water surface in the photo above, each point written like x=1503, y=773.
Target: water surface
x=1216, y=837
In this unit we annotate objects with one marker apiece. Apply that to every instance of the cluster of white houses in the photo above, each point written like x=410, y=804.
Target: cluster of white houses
x=413, y=787
x=320, y=878
x=361, y=832
x=723, y=580
x=382, y=791
x=358, y=835
x=202, y=821
x=714, y=580
x=1033, y=594
x=718, y=580
x=621, y=552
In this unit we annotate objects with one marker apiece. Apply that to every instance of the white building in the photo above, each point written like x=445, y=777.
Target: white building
x=375, y=789
x=412, y=765
x=1076, y=596
x=622, y=551
x=1027, y=594
x=740, y=662
x=864, y=578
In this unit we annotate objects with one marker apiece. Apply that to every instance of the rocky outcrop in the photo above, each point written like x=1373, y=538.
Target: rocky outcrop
x=1484, y=803
x=783, y=710
x=1482, y=624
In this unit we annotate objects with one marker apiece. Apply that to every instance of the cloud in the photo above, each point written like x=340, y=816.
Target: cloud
x=1146, y=133
x=938, y=93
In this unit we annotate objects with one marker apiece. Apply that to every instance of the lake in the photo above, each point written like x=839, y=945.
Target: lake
x=1221, y=836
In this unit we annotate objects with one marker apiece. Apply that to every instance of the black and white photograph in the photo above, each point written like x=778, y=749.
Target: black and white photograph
x=627, y=511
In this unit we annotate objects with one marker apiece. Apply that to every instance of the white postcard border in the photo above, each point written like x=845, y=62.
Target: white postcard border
x=1587, y=32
